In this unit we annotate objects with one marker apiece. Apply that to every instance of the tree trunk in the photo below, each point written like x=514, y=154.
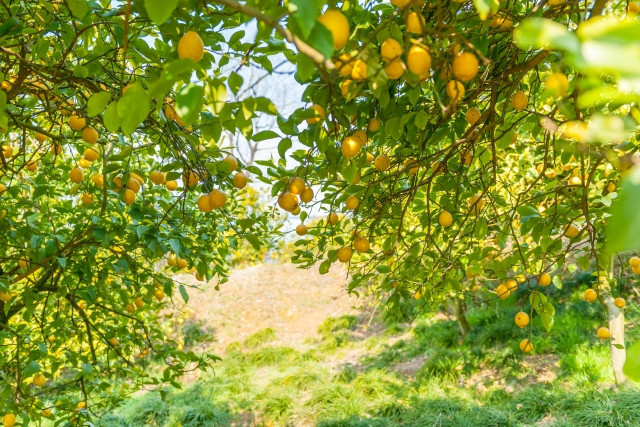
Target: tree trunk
x=459, y=309
x=616, y=327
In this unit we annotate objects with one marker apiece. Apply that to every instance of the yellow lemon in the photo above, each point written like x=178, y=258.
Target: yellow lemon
x=217, y=198
x=418, y=60
x=239, y=180
x=334, y=21
x=395, y=69
x=455, y=90
x=522, y=319
x=519, y=100
x=191, y=46
x=465, y=66
x=382, y=162
x=390, y=50
x=445, y=219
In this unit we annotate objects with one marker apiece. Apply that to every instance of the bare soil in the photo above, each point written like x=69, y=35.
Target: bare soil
x=292, y=301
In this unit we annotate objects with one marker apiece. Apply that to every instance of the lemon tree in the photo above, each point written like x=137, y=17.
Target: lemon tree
x=114, y=176
x=471, y=151
x=459, y=151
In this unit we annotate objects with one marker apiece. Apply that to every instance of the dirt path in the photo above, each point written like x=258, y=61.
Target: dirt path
x=292, y=301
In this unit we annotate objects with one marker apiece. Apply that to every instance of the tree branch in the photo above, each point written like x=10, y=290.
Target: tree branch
x=302, y=47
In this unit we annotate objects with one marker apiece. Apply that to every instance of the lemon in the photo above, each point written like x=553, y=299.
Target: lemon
x=603, y=333
x=418, y=60
x=455, y=90
x=288, y=201
x=571, y=231
x=557, y=84
x=76, y=175
x=40, y=137
x=318, y=114
x=203, y=203
x=344, y=65
x=297, y=186
x=350, y=147
x=86, y=198
x=472, y=116
x=307, y=194
x=590, y=295
x=334, y=21
x=374, y=125
x=415, y=23
x=217, y=198
x=90, y=135
x=359, y=72
x=332, y=218
x=9, y=420
x=544, y=279
x=157, y=177
x=352, y=203
x=465, y=66
x=526, y=346
x=476, y=203
x=619, y=302
x=239, y=180
x=129, y=196
x=445, y=219
x=522, y=319
x=390, y=50
x=382, y=162
x=77, y=123
x=301, y=230
x=361, y=244
x=191, y=46
x=345, y=254
x=519, y=100
x=39, y=380
x=395, y=69
x=172, y=185
x=232, y=162
x=91, y=154
x=502, y=291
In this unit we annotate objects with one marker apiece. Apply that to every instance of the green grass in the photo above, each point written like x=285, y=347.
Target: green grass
x=422, y=374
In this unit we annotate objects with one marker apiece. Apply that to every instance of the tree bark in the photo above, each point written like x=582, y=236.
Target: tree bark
x=616, y=327
x=459, y=309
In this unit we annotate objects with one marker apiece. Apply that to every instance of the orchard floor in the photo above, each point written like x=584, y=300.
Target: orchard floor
x=298, y=351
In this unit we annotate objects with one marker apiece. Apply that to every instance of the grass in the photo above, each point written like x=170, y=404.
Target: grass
x=422, y=374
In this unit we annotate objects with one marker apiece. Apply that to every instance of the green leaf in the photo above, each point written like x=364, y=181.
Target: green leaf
x=543, y=33
x=322, y=40
x=305, y=13
x=632, y=364
x=216, y=92
x=183, y=293
x=547, y=321
x=97, y=103
x=623, y=231
x=265, y=135
x=324, y=267
x=79, y=8
x=283, y=146
x=235, y=82
x=110, y=117
x=189, y=101
x=349, y=171
x=557, y=282
x=133, y=108
x=160, y=10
